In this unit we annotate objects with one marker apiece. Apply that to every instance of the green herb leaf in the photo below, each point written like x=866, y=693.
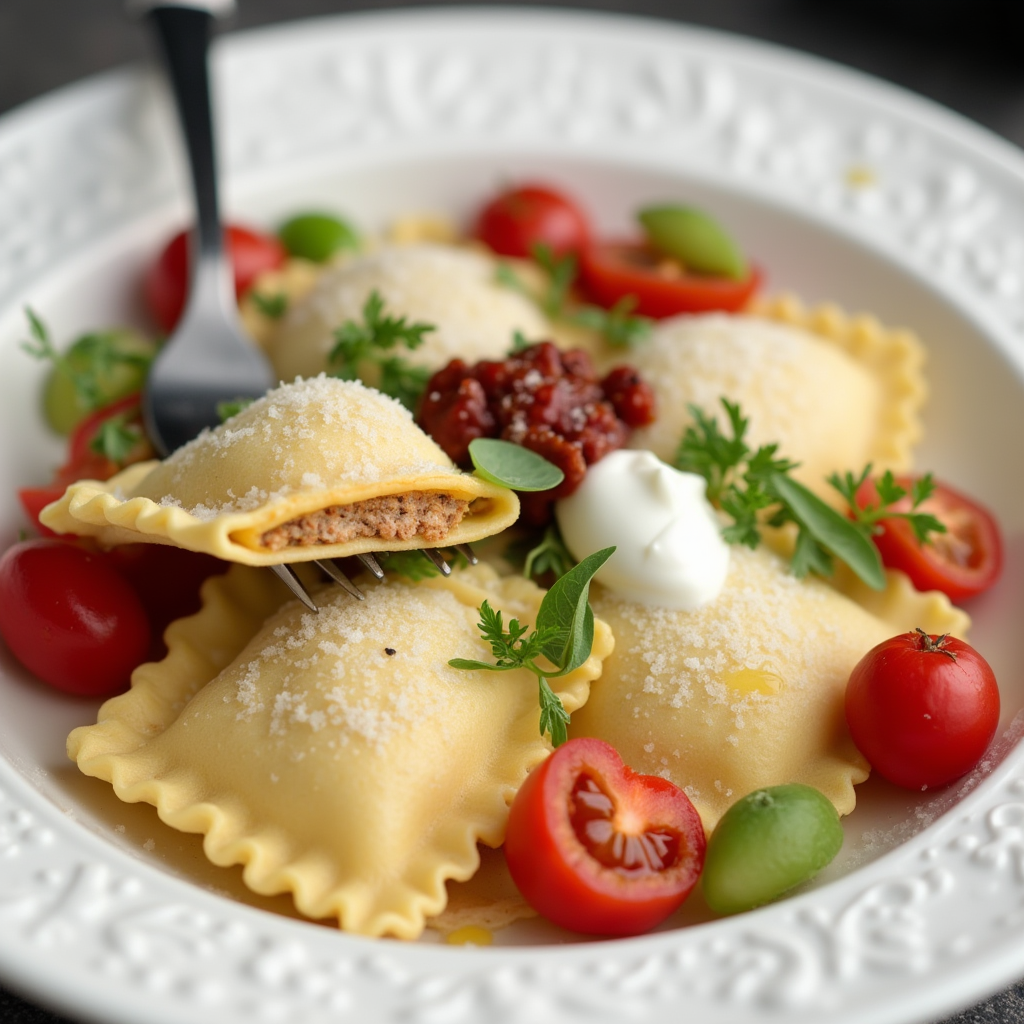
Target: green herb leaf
x=694, y=238
x=512, y=465
x=232, y=407
x=414, y=565
x=540, y=558
x=565, y=609
x=272, y=306
x=373, y=342
x=564, y=635
x=115, y=439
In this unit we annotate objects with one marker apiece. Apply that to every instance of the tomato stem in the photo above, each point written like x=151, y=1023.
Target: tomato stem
x=936, y=646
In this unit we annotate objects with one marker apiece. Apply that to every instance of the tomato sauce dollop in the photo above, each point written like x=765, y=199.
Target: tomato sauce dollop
x=545, y=399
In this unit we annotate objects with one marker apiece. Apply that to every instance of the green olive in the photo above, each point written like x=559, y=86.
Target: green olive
x=697, y=240
x=108, y=365
x=767, y=843
x=317, y=236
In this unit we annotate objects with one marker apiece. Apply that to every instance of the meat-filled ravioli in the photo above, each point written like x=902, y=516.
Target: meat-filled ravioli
x=337, y=756
x=319, y=468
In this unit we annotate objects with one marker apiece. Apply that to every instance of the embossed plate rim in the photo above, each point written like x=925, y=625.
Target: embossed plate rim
x=265, y=967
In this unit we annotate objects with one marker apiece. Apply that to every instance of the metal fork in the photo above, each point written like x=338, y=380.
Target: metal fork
x=208, y=359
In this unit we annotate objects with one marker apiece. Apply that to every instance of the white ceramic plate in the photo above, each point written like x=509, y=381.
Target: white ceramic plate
x=843, y=188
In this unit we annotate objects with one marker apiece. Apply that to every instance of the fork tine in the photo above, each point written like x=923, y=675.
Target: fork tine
x=437, y=559
x=330, y=567
x=467, y=553
x=372, y=565
x=286, y=574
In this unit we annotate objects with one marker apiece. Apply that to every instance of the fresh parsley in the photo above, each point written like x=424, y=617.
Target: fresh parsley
x=414, y=565
x=564, y=636
x=540, y=558
x=512, y=465
x=618, y=326
x=91, y=361
x=374, y=341
x=116, y=438
x=271, y=306
x=232, y=407
x=754, y=488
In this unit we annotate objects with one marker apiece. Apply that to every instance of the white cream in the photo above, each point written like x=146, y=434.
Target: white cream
x=668, y=544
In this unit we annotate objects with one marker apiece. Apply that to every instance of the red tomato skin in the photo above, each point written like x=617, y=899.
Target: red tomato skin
x=512, y=223
x=166, y=281
x=34, y=500
x=559, y=877
x=611, y=271
x=919, y=717
x=70, y=618
x=927, y=564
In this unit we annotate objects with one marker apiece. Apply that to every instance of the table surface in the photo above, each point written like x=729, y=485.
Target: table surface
x=966, y=58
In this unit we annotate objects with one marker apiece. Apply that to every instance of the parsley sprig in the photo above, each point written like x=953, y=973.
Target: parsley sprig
x=543, y=557
x=116, y=438
x=564, y=636
x=90, y=362
x=618, y=326
x=754, y=488
x=374, y=341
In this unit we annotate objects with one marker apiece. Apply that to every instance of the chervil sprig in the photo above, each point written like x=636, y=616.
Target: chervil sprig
x=890, y=493
x=618, y=326
x=372, y=342
x=564, y=636
x=756, y=487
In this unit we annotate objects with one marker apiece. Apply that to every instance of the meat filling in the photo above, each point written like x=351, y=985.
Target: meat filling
x=424, y=514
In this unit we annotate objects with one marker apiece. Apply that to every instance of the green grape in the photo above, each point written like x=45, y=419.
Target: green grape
x=97, y=369
x=767, y=843
x=317, y=236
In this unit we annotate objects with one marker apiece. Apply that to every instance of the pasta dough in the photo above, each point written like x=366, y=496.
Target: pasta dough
x=452, y=289
x=745, y=692
x=337, y=756
x=320, y=468
x=834, y=393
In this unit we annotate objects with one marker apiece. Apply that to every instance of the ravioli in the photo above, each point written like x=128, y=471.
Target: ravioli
x=748, y=690
x=452, y=289
x=336, y=756
x=835, y=393
x=319, y=468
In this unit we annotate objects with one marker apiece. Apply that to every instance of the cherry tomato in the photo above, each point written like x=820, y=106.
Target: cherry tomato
x=597, y=848
x=83, y=462
x=515, y=221
x=922, y=709
x=70, y=618
x=166, y=282
x=167, y=580
x=611, y=271
x=34, y=500
x=962, y=562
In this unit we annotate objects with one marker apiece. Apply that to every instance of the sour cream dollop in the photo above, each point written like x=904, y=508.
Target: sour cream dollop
x=668, y=544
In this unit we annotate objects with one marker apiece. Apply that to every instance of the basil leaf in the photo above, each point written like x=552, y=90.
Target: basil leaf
x=512, y=465
x=565, y=607
x=697, y=240
x=832, y=530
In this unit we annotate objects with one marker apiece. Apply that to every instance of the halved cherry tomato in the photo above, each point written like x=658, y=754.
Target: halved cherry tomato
x=922, y=709
x=597, y=848
x=35, y=499
x=515, y=221
x=962, y=562
x=611, y=271
x=70, y=618
x=166, y=282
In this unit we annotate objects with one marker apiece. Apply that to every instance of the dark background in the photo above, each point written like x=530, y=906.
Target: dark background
x=967, y=56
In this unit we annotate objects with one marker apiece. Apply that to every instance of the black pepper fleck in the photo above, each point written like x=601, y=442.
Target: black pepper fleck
x=389, y=651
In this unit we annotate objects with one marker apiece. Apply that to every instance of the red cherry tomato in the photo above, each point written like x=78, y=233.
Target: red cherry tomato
x=514, y=222
x=597, y=848
x=962, y=562
x=922, y=709
x=166, y=282
x=167, y=580
x=70, y=618
x=85, y=463
x=611, y=271
x=34, y=500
